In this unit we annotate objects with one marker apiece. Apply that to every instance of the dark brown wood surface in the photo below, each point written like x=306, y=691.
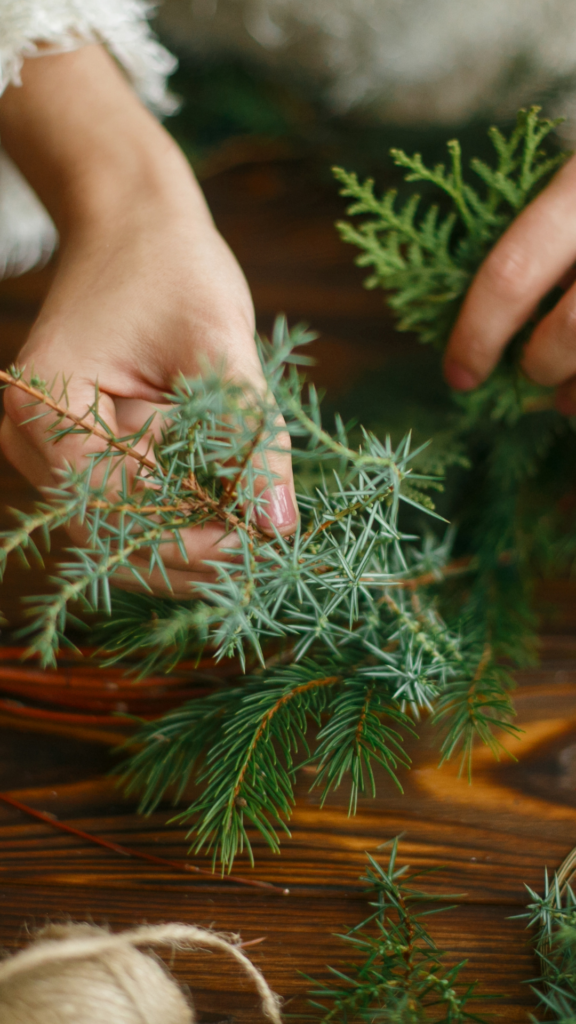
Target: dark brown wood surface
x=486, y=840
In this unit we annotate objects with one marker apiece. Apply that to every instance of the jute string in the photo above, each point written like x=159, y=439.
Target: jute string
x=81, y=974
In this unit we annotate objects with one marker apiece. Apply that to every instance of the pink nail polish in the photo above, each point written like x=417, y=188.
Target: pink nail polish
x=459, y=377
x=279, y=509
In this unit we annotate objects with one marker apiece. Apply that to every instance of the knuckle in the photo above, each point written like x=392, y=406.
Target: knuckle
x=550, y=355
x=508, y=271
x=13, y=403
x=283, y=441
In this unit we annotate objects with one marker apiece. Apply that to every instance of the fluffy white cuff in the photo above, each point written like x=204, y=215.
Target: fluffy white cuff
x=30, y=28
x=27, y=234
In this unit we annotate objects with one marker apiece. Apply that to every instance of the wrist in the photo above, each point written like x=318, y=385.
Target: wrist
x=126, y=181
x=86, y=144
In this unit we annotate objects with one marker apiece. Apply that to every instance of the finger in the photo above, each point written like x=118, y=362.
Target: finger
x=181, y=582
x=524, y=265
x=29, y=425
x=211, y=543
x=565, y=398
x=183, y=564
x=550, y=355
x=277, y=508
x=233, y=353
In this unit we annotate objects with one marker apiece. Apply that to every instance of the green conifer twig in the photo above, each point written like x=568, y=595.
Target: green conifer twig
x=398, y=972
x=354, y=608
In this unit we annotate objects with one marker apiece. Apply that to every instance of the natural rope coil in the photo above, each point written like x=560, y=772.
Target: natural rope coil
x=81, y=974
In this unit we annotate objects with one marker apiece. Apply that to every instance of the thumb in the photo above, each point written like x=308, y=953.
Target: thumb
x=277, y=509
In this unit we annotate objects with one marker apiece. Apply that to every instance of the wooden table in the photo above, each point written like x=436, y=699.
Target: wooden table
x=487, y=840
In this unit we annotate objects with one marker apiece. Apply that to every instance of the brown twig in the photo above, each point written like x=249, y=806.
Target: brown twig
x=348, y=511
x=363, y=714
x=229, y=488
x=79, y=421
x=482, y=665
x=203, y=500
x=127, y=851
x=455, y=568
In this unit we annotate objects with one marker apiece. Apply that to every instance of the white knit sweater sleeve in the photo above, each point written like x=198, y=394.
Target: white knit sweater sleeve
x=37, y=28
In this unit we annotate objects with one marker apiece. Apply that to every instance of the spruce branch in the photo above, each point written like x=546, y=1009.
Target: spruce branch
x=470, y=709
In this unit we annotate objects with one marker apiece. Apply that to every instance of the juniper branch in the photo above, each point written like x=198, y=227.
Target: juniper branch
x=398, y=972
x=553, y=918
x=355, y=609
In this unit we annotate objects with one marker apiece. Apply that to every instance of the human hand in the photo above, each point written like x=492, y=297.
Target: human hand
x=536, y=253
x=145, y=288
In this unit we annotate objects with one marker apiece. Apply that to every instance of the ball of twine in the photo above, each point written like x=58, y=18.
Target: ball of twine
x=81, y=974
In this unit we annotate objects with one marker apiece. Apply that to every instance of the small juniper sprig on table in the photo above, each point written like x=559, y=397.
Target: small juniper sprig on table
x=553, y=916
x=340, y=623
x=398, y=974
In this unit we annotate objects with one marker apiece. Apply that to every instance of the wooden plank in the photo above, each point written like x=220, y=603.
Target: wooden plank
x=299, y=938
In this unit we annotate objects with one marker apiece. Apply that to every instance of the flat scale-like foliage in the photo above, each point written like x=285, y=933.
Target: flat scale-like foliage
x=426, y=260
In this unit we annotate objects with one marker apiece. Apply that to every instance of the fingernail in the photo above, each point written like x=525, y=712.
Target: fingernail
x=459, y=377
x=278, y=510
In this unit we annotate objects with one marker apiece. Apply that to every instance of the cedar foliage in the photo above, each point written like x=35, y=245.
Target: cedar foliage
x=425, y=261
x=363, y=620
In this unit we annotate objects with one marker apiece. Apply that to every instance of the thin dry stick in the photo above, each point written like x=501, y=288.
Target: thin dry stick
x=80, y=421
x=204, y=500
x=127, y=851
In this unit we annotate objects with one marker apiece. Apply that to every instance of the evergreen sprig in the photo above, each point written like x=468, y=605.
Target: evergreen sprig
x=426, y=261
x=553, y=916
x=363, y=620
x=513, y=506
x=398, y=974
x=340, y=622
